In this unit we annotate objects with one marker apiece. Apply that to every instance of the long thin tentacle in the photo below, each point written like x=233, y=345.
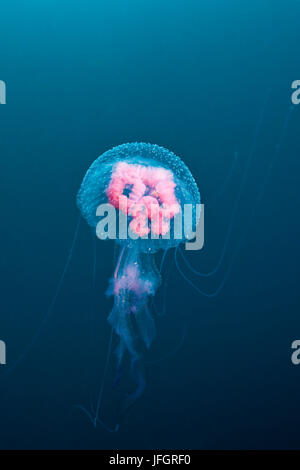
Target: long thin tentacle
x=52, y=303
x=246, y=228
x=226, y=181
x=100, y=395
x=236, y=203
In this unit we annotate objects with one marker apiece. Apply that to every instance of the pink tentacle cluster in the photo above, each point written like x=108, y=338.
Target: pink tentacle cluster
x=131, y=280
x=146, y=194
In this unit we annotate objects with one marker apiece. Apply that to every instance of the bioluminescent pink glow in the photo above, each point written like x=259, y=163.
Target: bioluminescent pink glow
x=147, y=194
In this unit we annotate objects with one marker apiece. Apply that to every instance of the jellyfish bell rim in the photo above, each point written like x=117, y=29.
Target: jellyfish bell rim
x=154, y=151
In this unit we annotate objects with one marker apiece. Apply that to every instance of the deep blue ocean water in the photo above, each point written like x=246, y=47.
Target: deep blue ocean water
x=208, y=80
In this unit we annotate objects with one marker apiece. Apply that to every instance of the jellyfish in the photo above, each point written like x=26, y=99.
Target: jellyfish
x=148, y=187
x=135, y=180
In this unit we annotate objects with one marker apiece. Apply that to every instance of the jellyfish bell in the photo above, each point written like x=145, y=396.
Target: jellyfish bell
x=137, y=176
x=149, y=187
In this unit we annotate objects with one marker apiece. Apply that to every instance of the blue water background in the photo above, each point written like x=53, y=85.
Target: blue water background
x=195, y=77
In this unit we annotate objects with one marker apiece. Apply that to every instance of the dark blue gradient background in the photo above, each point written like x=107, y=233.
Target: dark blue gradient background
x=83, y=76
